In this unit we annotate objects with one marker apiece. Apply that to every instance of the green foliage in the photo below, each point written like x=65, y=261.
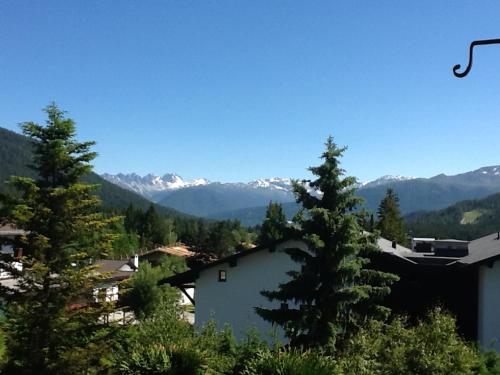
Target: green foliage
x=455, y=221
x=290, y=362
x=274, y=226
x=126, y=243
x=144, y=295
x=430, y=347
x=152, y=229
x=390, y=224
x=16, y=153
x=335, y=292
x=217, y=237
x=164, y=344
x=44, y=333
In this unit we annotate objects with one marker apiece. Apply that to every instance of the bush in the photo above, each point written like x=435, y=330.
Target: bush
x=163, y=344
x=430, y=347
x=291, y=362
x=144, y=295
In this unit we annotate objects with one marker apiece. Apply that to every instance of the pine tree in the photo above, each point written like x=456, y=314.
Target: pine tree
x=50, y=327
x=274, y=225
x=390, y=224
x=335, y=292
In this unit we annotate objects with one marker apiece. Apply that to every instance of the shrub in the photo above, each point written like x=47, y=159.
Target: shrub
x=290, y=362
x=430, y=347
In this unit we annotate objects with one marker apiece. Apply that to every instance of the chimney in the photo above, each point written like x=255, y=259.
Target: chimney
x=18, y=253
x=394, y=244
x=135, y=261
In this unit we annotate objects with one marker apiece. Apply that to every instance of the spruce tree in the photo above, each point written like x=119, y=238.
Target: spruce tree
x=274, y=225
x=390, y=223
x=335, y=292
x=50, y=325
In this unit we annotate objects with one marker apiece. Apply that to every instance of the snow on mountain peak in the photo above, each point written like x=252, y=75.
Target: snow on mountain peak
x=385, y=180
x=272, y=183
x=150, y=185
x=491, y=171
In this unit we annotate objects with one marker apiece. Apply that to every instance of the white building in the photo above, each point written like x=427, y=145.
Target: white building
x=467, y=282
x=8, y=236
x=228, y=290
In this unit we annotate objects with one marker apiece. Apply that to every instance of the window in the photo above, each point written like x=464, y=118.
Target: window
x=222, y=275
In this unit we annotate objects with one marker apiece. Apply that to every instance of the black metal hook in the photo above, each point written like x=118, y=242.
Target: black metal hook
x=469, y=66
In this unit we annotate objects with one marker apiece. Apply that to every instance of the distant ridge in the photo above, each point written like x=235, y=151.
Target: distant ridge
x=466, y=220
x=415, y=194
x=16, y=154
x=201, y=197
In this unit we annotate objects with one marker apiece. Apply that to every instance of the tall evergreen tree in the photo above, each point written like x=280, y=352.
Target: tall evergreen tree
x=48, y=330
x=335, y=292
x=390, y=223
x=274, y=225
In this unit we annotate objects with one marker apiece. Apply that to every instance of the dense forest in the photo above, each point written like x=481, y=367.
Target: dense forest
x=465, y=220
x=15, y=158
x=144, y=224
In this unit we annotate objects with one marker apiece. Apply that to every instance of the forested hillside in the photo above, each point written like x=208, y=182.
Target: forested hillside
x=436, y=192
x=15, y=156
x=416, y=194
x=214, y=198
x=154, y=224
x=466, y=220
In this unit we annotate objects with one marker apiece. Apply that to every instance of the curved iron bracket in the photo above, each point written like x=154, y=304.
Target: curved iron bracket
x=469, y=66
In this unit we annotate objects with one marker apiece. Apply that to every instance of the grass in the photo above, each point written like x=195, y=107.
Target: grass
x=470, y=217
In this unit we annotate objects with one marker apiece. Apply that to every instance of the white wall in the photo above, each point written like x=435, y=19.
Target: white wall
x=489, y=306
x=106, y=293
x=233, y=301
x=184, y=300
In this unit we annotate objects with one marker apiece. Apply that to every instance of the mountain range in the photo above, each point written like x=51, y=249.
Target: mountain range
x=16, y=155
x=247, y=201
x=476, y=208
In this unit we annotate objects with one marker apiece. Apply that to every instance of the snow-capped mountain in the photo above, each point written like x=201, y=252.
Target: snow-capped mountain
x=157, y=188
x=151, y=186
x=384, y=180
x=272, y=183
x=201, y=197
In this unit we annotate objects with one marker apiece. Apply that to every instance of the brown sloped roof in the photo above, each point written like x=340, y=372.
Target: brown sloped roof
x=177, y=250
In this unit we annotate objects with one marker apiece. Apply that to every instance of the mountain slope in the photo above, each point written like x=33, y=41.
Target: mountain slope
x=254, y=215
x=247, y=201
x=214, y=199
x=209, y=200
x=415, y=194
x=16, y=154
x=464, y=220
x=434, y=193
x=150, y=186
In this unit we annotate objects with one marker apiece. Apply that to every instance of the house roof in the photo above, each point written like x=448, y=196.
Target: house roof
x=483, y=249
x=117, y=268
x=11, y=230
x=451, y=240
x=177, y=250
x=190, y=275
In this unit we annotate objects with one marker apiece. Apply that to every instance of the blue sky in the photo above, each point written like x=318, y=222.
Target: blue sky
x=237, y=90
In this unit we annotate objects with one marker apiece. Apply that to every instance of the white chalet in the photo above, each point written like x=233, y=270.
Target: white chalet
x=462, y=276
